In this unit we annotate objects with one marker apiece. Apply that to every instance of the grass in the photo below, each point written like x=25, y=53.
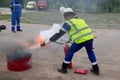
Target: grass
x=5, y=16
x=8, y=78
x=102, y=20
x=94, y=20
x=41, y=17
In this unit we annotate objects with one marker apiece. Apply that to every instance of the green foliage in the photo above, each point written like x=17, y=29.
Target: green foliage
x=22, y=2
x=5, y=78
x=5, y=16
x=52, y=4
x=108, y=5
x=8, y=78
x=5, y=3
x=84, y=5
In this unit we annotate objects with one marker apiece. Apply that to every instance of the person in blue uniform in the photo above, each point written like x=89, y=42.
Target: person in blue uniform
x=16, y=9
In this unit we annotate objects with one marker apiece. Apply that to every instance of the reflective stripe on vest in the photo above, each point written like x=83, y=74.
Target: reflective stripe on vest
x=80, y=38
x=77, y=30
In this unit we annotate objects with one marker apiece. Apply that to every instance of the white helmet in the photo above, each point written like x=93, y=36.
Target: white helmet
x=68, y=10
x=62, y=10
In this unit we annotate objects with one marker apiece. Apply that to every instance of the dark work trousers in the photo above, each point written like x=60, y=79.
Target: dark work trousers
x=75, y=47
x=15, y=21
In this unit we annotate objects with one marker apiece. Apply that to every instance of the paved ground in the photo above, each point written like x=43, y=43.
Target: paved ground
x=46, y=61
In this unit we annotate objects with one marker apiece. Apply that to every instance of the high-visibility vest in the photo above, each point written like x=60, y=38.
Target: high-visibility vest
x=80, y=31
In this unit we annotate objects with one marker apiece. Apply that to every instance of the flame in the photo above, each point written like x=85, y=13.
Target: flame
x=40, y=40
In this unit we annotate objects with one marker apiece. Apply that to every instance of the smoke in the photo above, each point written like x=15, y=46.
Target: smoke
x=14, y=49
x=18, y=54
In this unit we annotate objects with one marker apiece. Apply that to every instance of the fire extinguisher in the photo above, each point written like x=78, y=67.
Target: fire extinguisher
x=66, y=47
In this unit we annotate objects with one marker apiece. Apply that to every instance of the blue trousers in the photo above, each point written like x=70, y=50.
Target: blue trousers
x=15, y=21
x=75, y=47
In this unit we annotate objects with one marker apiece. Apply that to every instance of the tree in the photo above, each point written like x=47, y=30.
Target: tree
x=5, y=3
x=108, y=5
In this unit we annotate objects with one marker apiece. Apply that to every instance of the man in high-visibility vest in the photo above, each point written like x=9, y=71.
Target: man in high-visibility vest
x=81, y=35
x=16, y=9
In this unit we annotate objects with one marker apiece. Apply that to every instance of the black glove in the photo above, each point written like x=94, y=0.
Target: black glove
x=42, y=45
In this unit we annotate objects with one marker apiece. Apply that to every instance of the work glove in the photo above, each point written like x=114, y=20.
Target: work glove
x=42, y=45
x=45, y=44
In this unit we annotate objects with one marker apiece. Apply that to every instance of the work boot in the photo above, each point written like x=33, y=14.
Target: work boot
x=13, y=29
x=63, y=69
x=19, y=30
x=95, y=69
